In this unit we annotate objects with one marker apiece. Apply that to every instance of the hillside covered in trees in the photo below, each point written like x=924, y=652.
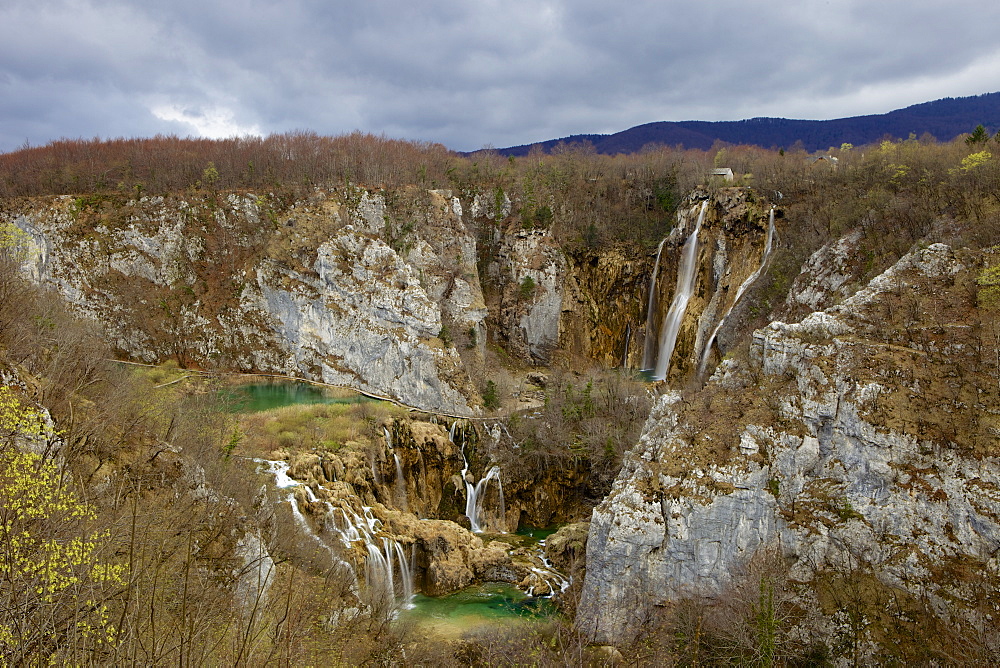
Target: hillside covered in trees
x=942, y=119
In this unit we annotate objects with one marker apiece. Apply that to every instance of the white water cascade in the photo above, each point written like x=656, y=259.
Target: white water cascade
x=474, y=492
x=628, y=340
x=399, y=485
x=768, y=245
x=547, y=576
x=682, y=294
x=384, y=556
x=282, y=480
x=649, y=350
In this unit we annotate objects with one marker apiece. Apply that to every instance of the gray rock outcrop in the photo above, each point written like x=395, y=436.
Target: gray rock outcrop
x=313, y=292
x=859, y=438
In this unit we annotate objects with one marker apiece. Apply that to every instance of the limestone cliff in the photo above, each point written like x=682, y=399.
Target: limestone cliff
x=319, y=289
x=862, y=439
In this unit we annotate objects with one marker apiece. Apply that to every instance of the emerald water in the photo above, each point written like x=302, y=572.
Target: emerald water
x=266, y=396
x=536, y=534
x=489, y=604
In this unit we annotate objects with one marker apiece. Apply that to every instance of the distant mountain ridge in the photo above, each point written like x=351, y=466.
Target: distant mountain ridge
x=944, y=119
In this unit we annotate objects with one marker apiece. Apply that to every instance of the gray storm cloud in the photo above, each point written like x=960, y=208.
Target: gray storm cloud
x=469, y=74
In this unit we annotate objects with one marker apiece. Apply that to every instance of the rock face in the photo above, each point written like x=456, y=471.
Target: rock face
x=313, y=290
x=593, y=302
x=732, y=244
x=378, y=291
x=533, y=269
x=860, y=439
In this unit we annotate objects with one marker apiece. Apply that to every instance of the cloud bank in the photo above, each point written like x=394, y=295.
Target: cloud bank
x=471, y=74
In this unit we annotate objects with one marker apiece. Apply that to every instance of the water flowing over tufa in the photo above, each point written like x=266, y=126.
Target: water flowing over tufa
x=399, y=485
x=649, y=350
x=388, y=567
x=682, y=294
x=474, y=493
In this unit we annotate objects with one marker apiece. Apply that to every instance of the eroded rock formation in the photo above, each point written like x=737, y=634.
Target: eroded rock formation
x=313, y=291
x=858, y=440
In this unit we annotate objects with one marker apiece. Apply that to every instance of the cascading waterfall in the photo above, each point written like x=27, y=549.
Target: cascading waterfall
x=474, y=492
x=649, y=350
x=399, y=485
x=682, y=294
x=384, y=556
x=768, y=245
x=548, y=576
x=628, y=339
x=282, y=480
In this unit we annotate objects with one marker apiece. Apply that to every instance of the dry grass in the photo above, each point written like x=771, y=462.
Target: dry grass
x=314, y=426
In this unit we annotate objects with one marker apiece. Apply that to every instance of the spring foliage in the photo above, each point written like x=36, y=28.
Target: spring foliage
x=53, y=583
x=989, y=287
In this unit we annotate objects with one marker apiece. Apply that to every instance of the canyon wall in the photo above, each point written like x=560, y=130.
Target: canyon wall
x=860, y=440
x=240, y=282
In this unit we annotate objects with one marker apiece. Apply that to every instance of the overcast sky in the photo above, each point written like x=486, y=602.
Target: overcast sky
x=470, y=73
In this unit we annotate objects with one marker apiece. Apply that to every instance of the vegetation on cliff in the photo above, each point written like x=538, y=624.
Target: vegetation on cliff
x=143, y=468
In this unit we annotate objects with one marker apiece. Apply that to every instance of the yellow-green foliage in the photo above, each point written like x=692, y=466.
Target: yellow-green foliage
x=52, y=581
x=975, y=160
x=989, y=287
x=17, y=418
x=14, y=240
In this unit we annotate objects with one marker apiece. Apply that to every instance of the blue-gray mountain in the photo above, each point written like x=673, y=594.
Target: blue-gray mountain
x=944, y=119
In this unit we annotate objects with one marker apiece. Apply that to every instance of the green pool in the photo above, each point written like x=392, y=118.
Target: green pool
x=536, y=534
x=489, y=604
x=266, y=396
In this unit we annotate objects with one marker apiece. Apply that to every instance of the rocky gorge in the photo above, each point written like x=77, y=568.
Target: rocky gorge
x=851, y=433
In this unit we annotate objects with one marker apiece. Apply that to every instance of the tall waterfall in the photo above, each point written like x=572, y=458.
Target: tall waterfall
x=649, y=350
x=768, y=245
x=399, y=484
x=682, y=294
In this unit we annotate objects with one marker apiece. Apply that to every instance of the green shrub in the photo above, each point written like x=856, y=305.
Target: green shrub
x=490, y=399
x=527, y=288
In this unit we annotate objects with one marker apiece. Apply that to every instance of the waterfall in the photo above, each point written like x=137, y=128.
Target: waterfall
x=474, y=493
x=682, y=293
x=282, y=480
x=400, y=484
x=768, y=245
x=548, y=576
x=649, y=351
x=384, y=556
x=628, y=338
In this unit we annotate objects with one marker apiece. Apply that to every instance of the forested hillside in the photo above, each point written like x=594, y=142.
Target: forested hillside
x=943, y=119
